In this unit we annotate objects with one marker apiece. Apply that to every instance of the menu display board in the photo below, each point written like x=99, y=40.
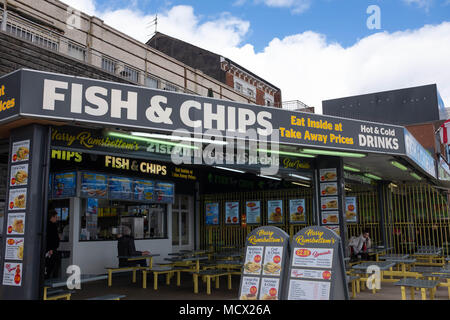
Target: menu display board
x=16, y=223
x=308, y=290
x=249, y=288
x=316, y=268
x=212, y=213
x=330, y=217
x=351, y=210
x=329, y=203
x=19, y=175
x=14, y=248
x=12, y=274
x=328, y=175
x=17, y=199
x=253, y=212
x=143, y=190
x=328, y=189
x=120, y=188
x=20, y=151
x=264, y=264
x=232, y=212
x=93, y=185
x=253, y=260
x=297, y=211
x=275, y=211
x=269, y=289
x=164, y=192
x=64, y=184
x=335, y=229
x=272, y=261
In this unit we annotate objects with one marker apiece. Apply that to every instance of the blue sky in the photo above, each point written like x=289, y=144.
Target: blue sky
x=343, y=21
x=312, y=49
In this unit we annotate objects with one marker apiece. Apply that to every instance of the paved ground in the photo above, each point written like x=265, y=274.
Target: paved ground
x=122, y=284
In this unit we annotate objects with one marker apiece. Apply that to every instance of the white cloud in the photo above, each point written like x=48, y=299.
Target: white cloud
x=307, y=66
x=426, y=4
x=297, y=6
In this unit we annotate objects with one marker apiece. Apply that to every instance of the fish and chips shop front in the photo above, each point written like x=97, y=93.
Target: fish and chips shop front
x=181, y=171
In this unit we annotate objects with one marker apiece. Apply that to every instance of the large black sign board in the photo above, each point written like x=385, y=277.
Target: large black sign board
x=59, y=97
x=266, y=256
x=21, y=249
x=316, y=268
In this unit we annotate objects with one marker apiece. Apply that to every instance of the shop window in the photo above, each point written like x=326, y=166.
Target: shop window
x=61, y=207
x=181, y=220
x=101, y=219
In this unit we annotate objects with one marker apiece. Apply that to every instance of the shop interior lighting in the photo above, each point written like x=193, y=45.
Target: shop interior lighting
x=347, y=168
x=286, y=153
x=393, y=185
x=415, y=176
x=229, y=169
x=299, y=177
x=301, y=184
x=138, y=138
x=399, y=165
x=269, y=177
x=348, y=189
x=176, y=138
x=372, y=176
x=334, y=153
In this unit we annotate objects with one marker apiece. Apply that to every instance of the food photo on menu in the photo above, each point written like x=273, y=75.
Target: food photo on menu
x=21, y=151
x=253, y=260
x=19, y=175
x=297, y=210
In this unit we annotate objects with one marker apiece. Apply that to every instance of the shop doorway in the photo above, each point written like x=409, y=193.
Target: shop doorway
x=182, y=223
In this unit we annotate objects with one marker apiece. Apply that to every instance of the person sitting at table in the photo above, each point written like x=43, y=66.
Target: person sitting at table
x=126, y=247
x=359, y=246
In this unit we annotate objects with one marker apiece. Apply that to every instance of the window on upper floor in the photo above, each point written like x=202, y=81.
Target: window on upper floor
x=130, y=74
x=250, y=92
x=238, y=87
x=151, y=82
x=170, y=87
x=108, y=65
x=76, y=51
x=34, y=37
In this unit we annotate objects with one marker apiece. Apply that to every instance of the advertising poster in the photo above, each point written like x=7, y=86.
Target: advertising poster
x=64, y=214
x=334, y=228
x=272, y=261
x=253, y=260
x=328, y=175
x=92, y=218
x=328, y=189
x=65, y=184
x=12, y=274
x=232, y=212
x=330, y=217
x=164, y=192
x=351, y=210
x=313, y=257
x=143, y=190
x=297, y=211
x=120, y=188
x=93, y=185
x=19, y=175
x=14, y=249
x=275, y=211
x=253, y=212
x=20, y=151
x=17, y=199
x=212, y=213
x=311, y=274
x=329, y=203
x=309, y=290
x=269, y=289
x=16, y=223
x=249, y=288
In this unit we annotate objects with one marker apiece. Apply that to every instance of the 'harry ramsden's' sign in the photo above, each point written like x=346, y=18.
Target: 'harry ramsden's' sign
x=66, y=98
x=316, y=268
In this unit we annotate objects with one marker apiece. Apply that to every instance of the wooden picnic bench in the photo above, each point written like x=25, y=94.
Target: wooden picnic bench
x=211, y=274
x=108, y=297
x=421, y=284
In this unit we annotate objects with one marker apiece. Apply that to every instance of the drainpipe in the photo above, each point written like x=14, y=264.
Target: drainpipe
x=5, y=15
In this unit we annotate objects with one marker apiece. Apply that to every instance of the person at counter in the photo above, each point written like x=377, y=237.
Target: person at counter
x=359, y=246
x=52, y=261
x=126, y=247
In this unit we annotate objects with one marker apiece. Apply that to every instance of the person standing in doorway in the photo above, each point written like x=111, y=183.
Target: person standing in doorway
x=52, y=260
